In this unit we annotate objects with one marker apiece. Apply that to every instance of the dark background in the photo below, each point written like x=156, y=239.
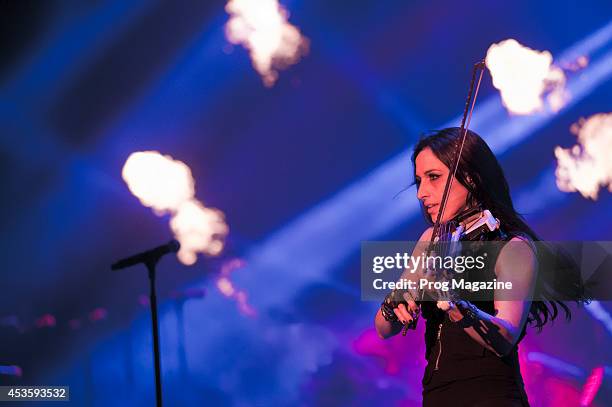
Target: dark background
x=303, y=171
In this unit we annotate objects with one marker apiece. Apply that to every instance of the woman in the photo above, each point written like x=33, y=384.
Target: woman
x=471, y=349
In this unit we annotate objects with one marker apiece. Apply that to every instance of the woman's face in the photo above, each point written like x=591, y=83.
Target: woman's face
x=431, y=174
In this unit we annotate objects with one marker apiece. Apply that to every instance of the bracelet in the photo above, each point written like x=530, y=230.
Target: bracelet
x=387, y=313
x=390, y=302
x=386, y=309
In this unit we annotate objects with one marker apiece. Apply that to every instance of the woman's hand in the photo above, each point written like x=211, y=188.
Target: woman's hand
x=403, y=314
x=451, y=309
x=406, y=313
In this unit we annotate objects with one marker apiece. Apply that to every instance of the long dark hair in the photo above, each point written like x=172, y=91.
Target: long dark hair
x=480, y=173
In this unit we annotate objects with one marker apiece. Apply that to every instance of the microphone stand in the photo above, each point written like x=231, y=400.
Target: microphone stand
x=153, y=301
x=150, y=259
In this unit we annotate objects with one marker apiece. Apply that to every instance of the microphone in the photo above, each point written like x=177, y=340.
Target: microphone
x=148, y=257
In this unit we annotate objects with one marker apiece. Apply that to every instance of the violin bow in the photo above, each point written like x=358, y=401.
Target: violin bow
x=465, y=124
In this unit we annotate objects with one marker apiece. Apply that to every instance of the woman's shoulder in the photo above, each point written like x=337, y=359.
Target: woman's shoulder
x=518, y=248
x=517, y=236
x=520, y=239
x=426, y=234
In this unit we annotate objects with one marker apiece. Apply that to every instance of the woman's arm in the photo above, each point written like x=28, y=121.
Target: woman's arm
x=516, y=264
x=386, y=329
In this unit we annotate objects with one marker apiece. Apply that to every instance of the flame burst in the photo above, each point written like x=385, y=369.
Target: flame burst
x=587, y=166
x=261, y=27
x=524, y=75
x=167, y=186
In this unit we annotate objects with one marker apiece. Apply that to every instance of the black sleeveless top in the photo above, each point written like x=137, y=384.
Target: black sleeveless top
x=460, y=370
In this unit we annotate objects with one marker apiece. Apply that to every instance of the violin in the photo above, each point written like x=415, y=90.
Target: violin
x=473, y=224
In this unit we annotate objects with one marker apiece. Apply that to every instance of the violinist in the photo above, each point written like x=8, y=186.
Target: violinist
x=472, y=347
